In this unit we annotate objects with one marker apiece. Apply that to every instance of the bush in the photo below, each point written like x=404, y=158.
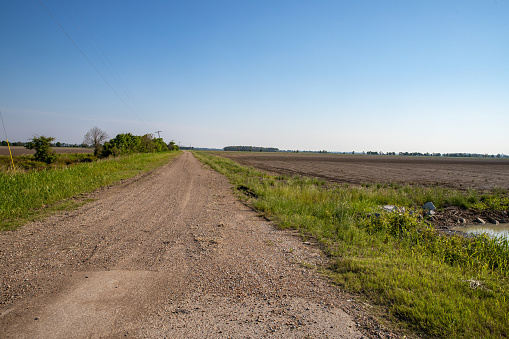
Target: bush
x=172, y=146
x=128, y=143
x=43, y=151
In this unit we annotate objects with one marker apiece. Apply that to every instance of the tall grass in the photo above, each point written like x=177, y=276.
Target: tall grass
x=438, y=286
x=25, y=193
x=25, y=163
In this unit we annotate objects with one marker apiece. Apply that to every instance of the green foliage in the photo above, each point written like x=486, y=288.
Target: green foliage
x=394, y=224
x=478, y=253
x=28, y=163
x=43, y=151
x=437, y=285
x=492, y=203
x=128, y=143
x=172, y=146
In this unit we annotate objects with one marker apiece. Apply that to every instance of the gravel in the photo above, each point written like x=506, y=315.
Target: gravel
x=172, y=254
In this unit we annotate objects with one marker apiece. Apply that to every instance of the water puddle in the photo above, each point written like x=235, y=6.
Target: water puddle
x=500, y=230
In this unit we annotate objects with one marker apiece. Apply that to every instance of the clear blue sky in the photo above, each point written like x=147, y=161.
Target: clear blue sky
x=428, y=76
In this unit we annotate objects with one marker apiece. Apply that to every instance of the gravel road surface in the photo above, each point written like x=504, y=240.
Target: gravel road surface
x=172, y=254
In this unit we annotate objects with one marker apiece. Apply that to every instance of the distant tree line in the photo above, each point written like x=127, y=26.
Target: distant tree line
x=419, y=154
x=474, y=155
x=456, y=155
x=251, y=149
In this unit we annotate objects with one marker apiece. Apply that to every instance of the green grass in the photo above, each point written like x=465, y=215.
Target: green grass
x=28, y=195
x=25, y=163
x=438, y=286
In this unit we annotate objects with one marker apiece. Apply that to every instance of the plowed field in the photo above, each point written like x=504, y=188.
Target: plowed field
x=461, y=173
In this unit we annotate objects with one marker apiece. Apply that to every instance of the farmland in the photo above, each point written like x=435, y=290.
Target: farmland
x=458, y=173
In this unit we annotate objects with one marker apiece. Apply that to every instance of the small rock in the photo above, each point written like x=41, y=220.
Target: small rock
x=430, y=212
x=479, y=220
x=429, y=206
x=377, y=215
x=462, y=220
x=389, y=208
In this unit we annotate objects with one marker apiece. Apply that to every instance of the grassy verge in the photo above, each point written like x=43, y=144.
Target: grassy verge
x=27, y=162
x=437, y=286
x=24, y=194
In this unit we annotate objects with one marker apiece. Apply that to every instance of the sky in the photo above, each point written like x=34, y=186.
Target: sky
x=402, y=76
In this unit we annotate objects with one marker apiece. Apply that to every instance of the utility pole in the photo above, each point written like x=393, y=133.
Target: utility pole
x=7, y=139
x=158, y=135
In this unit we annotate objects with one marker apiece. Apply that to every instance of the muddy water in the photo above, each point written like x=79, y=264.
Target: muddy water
x=500, y=230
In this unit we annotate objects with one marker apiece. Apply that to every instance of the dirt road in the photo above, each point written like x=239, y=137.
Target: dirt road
x=172, y=254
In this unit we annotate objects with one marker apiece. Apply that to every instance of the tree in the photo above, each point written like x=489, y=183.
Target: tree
x=95, y=138
x=128, y=144
x=147, y=144
x=172, y=146
x=43, y=151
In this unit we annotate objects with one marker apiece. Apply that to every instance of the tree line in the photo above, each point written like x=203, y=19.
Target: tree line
x=250, y=149
x=122, y=144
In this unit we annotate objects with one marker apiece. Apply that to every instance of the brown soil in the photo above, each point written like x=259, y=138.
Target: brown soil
x=20, y=150
x=172, y=254
x=460, y=173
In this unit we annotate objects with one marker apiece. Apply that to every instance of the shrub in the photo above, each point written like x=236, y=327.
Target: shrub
x=128, y=143
x=43, y=151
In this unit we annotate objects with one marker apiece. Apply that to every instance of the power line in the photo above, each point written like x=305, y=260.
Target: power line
x=7, y=139
x=93, y=65
x=108, y=64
